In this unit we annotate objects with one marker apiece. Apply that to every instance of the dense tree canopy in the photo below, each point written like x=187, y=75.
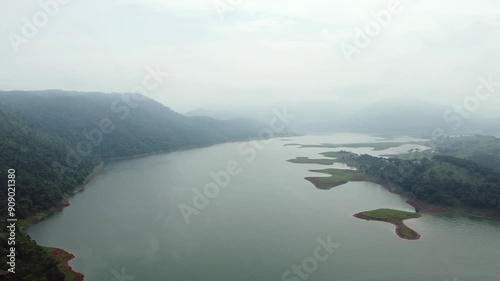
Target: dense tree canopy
x=33, y=263
x=443, y=180
x=117, y=125
x=40, y=180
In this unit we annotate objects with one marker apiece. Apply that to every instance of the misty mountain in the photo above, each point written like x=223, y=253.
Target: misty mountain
x=310, y=117
x=121, y=124
x=397, y=116
x=216, y=114
x=412, y=116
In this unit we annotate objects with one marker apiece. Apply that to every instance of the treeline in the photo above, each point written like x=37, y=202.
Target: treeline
x=33, y=263
x=442, y=180
x=477, y=170
x=39, y=185
x=115, y=125
x=482, y=149
x=42, y=182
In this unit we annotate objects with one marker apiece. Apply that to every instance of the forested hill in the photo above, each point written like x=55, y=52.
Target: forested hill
x=55, y=139
x=34, y=155
x=39, y=186
x=121, y=124
x=443, y=180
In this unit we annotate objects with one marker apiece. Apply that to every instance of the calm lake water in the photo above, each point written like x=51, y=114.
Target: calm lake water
x=127, y=223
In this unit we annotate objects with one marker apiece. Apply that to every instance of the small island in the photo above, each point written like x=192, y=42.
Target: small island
x=338, y=177
x=376, y=146
x=307, y=160
x=459, y=175
x=395, y=217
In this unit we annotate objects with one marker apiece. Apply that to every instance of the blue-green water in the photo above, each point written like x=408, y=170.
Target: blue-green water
x=265, y=221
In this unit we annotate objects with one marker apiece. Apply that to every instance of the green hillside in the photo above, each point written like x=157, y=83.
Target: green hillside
x=117, y=125
x=484, y=150
x=37, y=158
x=56, y=140
x=453, y=181
x=442, y=180
x=33, y=263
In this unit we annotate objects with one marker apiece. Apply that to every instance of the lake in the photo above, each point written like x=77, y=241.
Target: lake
x=267, y=222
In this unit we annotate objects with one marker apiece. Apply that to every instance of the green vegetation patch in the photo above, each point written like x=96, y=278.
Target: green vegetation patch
x=338, y=177
x=375, y=145
x=395, y=217
x=405, y=232
x=442, y=180
x=343, y=156
x=340, y=155
x=307, y=160
x=385, y=214
x=33, y=263
x=482, y=149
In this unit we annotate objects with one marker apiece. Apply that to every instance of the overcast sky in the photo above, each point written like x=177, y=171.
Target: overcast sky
x=258, y=52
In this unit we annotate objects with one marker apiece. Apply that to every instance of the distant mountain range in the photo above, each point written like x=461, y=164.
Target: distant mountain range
x=397, y=116
x=127, y=124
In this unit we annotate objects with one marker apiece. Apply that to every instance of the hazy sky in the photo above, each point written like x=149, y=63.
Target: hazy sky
x=260, y=51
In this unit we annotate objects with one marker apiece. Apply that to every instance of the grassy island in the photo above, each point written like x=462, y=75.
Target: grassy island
x=338, y=177
x=395, y=217
x=307, y=160
x=377, y=146
x=438, y=183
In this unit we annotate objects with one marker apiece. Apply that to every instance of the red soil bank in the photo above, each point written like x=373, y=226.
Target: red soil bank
x=63, y=258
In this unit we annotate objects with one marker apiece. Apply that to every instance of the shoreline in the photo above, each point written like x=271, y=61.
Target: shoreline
x=189, y=147
x=63, y=257
x=97, y=170
x=432, y=209
x=419, y=205
x=398, y=223
x=43, y=215
x=319, y=186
